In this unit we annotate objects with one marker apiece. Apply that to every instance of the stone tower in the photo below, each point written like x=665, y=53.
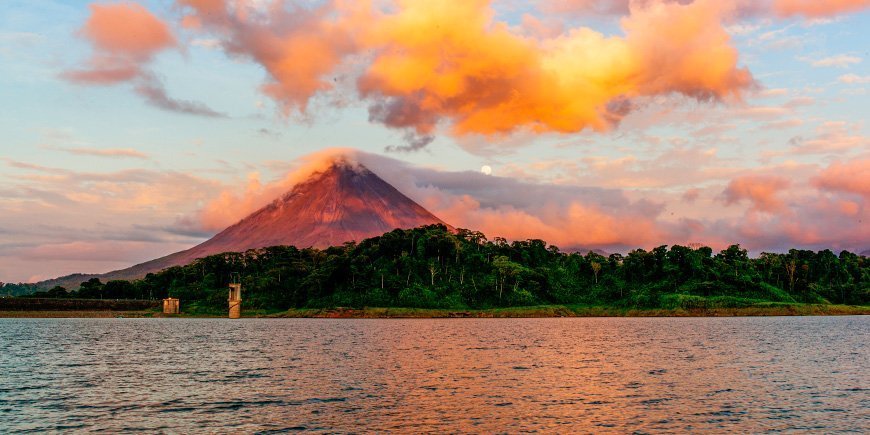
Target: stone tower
x=171, y=306
x=235, y=300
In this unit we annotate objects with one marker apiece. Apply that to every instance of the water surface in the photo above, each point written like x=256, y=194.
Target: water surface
x=479, y=375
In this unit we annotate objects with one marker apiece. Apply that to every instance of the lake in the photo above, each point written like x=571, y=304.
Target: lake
x=469, y=375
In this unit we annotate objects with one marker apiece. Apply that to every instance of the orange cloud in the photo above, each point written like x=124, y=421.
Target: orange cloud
x=127, y=29
x=298, y=48
x=685, y=49
x=484, y=78
x=818, y=8
x=423, y=64
x=760, y=190
x=849, y=177
x=125, y=36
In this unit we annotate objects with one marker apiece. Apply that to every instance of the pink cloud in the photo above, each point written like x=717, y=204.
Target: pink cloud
x=849, y=177
x=832, y=137
x=818, y=8
x=760, y=190
x=691, y=195
x=104, y=152
x=813, y=222
x=573, y=225
x=97, y=251
x=104, y=70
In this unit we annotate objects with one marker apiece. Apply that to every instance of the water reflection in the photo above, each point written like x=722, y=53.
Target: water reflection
x=479, y=375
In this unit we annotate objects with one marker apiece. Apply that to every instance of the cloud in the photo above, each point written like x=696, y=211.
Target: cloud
x=208, y=43
x=97, y=251
x=104, y=71
x=423, y=65
x=812, y=9
x=585, y=7
x=691, y=195
x=413, y=142
x=760, y=190
x=104, y=152
x=123, y=192
x=849, y=177
x=839, y=61
x=125, y=38
x=815, y=222
x=818, y=8
x=854, y=79
x=154, y=92
x=832, y=137
x=298, y=47
x=127, y=29
x=678, y=166
x=101, y=212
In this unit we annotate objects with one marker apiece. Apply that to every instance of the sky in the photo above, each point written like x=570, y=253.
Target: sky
x=131, y=130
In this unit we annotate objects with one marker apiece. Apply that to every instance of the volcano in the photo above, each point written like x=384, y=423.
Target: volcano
x=345, y=202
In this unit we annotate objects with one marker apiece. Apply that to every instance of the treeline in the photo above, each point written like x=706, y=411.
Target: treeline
x=432, y=267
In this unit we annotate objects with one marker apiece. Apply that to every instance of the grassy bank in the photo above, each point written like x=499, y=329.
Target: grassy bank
x=195, y=311
x=762, y=309
x=74, y=314
x=74, y=304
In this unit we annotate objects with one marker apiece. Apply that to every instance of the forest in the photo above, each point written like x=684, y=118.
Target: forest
x=433, y=267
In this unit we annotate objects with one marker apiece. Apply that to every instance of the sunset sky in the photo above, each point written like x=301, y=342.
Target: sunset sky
x=131, y=130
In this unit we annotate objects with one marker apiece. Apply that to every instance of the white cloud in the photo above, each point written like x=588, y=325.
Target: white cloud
x=854, y=79
x=838, y=61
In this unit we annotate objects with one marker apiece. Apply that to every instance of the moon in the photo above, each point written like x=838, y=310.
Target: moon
x=486, y=170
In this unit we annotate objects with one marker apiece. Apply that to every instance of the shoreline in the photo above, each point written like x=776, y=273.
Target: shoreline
x=547, y=311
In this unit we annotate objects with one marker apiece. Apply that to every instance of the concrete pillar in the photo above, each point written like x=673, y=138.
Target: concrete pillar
x=235, y=309
x=171, y=306
x=235, y=301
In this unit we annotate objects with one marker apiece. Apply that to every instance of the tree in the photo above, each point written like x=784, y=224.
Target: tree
x=119, y=289
x=506, y=269
x=91, y=289
x=57, y=292
x=596, y=267
x=433, y=270
x=790, y=269
x=474, y=272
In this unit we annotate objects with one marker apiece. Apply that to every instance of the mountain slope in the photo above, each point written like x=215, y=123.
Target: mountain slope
x=343, y=203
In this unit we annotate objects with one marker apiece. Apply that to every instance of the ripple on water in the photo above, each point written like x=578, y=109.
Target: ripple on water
x=475, y=375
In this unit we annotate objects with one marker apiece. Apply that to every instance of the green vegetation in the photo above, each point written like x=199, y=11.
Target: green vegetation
x=436, y=269
x=763, y=309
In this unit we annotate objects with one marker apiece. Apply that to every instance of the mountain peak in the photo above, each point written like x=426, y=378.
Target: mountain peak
x=343, y=202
